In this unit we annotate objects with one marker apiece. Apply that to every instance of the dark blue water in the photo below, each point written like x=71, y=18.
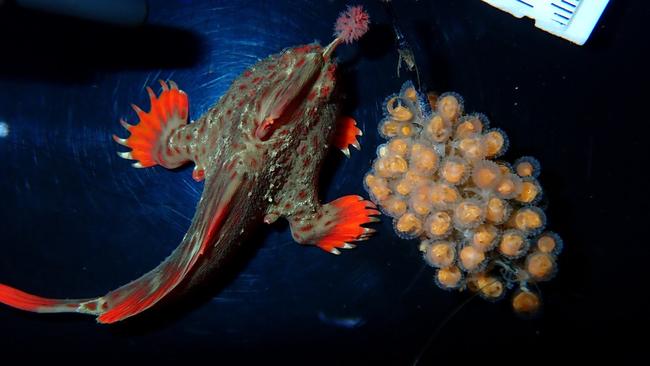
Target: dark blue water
x=77, y=221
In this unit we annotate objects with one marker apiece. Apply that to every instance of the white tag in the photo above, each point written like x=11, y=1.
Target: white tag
x=573, y=20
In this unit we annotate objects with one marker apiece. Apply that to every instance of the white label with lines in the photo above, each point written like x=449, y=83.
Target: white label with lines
x=573, y=20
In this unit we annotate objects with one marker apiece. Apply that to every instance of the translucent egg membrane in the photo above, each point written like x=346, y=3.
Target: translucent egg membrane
x=474, y=217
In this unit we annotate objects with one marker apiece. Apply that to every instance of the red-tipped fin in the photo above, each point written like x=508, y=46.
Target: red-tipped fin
x=28, y=302
x=336, y=225
x=149, y=138
x=346, y=135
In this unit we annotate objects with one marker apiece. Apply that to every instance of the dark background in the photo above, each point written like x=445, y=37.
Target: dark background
x=77, y=221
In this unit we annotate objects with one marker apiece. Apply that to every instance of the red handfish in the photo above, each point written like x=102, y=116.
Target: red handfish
x=259, y=150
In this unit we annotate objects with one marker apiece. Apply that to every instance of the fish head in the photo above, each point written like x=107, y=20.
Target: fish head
x=303, y=79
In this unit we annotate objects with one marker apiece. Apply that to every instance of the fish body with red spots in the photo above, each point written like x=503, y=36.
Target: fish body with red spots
x=258, y=150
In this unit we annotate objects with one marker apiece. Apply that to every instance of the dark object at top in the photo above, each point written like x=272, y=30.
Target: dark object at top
x=121, y=12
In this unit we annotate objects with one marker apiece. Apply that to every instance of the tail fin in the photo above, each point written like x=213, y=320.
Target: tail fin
x=139, y=295
x=24, y=301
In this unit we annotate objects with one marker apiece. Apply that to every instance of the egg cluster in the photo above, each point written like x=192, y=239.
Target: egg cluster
x=439, y=177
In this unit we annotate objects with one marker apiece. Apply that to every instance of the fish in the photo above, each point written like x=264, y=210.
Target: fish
x=258, y=151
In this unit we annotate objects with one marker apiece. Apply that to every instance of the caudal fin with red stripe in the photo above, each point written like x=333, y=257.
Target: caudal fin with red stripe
x=141, y=294
x=24, y=301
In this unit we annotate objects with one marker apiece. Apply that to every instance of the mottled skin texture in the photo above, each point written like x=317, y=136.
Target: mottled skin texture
x=280, y=173
x=258, y=150
x=270, y=176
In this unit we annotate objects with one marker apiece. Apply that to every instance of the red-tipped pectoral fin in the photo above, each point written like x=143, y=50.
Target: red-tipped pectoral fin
x=336, y=225
x=149, y=139
x=346, y=134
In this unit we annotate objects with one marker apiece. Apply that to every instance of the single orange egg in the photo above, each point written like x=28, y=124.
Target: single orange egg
x=484, y=237
x=395, y=206
x=411, y=94
x=486, y=174
x=399, y=146
x=497, y=210
x=424, y=159
x=389, y=128
x=449, y=278
x=527, y=166
x=469, y=126
x=495, y=142
x=530, y=190
x=469, y=213
x=378, y=187
x=443, y=195
x=409, y=225
x=471, y=258
x=438, y=129
x=528, y=219
x=509, y=186
x=439, y=224
x=549, y=242
x=525, y=303
x=420, y=201
x=490, y=287
x=540, y=266
x=472, y=148
x=441, y=254
x=449, y=107
x=454, y=170
x=512, y=244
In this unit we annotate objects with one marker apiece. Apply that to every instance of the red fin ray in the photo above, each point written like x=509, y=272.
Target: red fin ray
x=22, y=300
x=25, y=301
x=346, y=134
x=150, y=136
x=336, y=224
